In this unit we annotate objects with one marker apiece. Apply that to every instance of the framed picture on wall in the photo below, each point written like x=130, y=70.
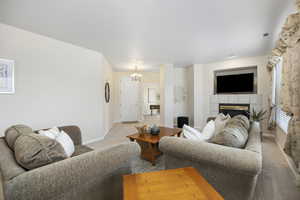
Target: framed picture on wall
x=7, y=85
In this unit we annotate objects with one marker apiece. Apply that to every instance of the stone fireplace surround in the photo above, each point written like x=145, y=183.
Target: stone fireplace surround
x=254, y=100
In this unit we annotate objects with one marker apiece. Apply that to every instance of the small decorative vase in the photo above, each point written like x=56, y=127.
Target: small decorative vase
x=258, y=124
x=155, y=130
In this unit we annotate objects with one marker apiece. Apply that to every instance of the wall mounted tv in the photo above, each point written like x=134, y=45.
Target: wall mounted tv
x=236, y=81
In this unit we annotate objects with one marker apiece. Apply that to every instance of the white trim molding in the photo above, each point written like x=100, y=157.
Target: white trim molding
x=93, y=140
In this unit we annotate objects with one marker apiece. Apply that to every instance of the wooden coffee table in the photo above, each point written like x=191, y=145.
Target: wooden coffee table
x=149, y=143
x=183, y=184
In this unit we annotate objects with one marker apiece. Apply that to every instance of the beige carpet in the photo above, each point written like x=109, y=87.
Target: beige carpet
x=120, y=130
x=275, y=182
x=118, y=135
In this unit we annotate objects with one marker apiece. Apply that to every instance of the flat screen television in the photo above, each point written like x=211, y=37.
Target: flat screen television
x=235, y=83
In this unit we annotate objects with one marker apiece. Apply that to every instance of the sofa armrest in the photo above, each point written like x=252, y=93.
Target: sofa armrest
x=89, y=170
x=237, y=160
x=74, y=132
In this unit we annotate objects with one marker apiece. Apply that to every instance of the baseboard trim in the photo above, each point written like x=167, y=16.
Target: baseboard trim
x=291, y=164
x=93, y=140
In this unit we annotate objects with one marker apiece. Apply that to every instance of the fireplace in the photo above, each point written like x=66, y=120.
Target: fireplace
x=235, y=109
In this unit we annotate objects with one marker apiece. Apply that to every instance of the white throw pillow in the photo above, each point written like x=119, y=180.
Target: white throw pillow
x=51, y=133
x=193, y=134
x=209, y=130
x=67, y=143
x=62, y=137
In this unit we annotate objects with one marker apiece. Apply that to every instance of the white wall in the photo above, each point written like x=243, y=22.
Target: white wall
x=181, y=89
x=148, y=78
x=56, y=84
x=200, y=95
x=190, y=87
x=167, y=95
x=108, y=107
x=204, y=87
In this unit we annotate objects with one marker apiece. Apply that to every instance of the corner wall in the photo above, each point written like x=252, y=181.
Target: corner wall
x=56, y=83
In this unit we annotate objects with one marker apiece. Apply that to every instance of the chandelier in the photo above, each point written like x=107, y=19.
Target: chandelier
x=136, y=76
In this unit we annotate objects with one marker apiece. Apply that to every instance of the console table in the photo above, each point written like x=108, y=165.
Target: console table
x=154, y=107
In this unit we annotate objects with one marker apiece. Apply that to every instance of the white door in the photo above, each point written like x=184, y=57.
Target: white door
x=129, y=100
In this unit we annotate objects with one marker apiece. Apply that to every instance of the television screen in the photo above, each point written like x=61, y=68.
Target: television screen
x=237, y=83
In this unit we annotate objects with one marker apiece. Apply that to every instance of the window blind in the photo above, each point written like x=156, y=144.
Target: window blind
x=282, y=120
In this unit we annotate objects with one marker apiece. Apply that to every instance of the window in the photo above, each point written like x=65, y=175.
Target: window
x=282, y=119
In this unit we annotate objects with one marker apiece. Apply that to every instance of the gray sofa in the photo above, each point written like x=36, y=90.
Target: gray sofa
x=233, y=172
x=87, y=175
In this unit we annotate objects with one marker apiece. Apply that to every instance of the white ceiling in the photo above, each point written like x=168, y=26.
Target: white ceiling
x=181, y=32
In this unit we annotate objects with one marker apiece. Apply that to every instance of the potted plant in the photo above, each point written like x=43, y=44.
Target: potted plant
x=257, y=117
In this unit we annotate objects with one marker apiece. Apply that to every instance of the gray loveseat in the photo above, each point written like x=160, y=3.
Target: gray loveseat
x=233, y=172
x=88, y=175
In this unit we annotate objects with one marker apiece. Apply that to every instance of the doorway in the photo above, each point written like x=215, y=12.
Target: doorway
x=130, y=106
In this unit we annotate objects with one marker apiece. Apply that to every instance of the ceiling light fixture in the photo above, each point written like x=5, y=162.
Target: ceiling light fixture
x=136, y=76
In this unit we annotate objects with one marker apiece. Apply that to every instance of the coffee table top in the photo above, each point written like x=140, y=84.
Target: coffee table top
x=183, y=184
x=147, y=137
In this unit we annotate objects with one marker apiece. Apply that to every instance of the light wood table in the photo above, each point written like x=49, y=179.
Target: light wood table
x=181, y=184
x=149, y=143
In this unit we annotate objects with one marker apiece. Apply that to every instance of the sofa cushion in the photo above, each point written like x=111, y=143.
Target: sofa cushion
x=13, y=132
x=34, y=150
x=234, y=134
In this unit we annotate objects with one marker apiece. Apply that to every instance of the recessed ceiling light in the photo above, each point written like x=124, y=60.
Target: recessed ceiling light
x=266, y=34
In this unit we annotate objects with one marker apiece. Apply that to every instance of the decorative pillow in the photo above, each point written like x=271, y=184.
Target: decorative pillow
x=13, y=132
x=34, y=150
x=233, y=135
x=220, y=122
x=62, y=137
x=51, y=133
x=66, y=142
x=243, y=120
x=209, y=130
x=193, y=133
